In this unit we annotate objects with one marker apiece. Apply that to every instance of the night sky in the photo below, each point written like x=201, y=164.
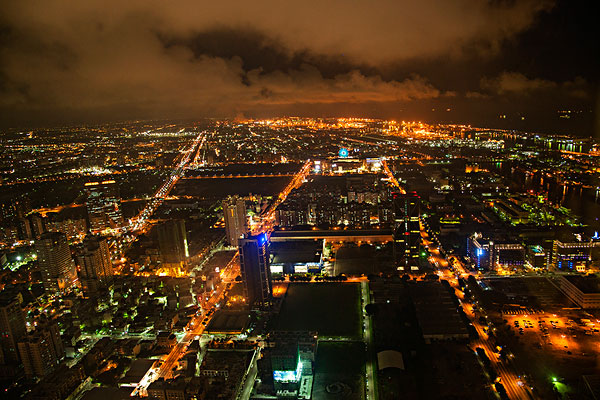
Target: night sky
x=465, y=61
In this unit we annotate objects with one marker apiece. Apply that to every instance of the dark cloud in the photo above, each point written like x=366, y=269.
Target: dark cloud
x=93, y=60
x=514, y=82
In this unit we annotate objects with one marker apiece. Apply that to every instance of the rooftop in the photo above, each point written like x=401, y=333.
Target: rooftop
x=587, y=284
x=228, y=322
x=436, y=313
x=297, y=251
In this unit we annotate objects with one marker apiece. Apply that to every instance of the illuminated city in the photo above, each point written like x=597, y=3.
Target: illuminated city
x=236, y=209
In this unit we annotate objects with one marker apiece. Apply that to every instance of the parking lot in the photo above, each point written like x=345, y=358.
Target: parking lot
x=554, y=346
x=553, y=329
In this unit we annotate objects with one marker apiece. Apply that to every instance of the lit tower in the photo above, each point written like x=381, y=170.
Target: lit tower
x=407, y=232
x=55, y=261
x=236, y=223
x=254, y=265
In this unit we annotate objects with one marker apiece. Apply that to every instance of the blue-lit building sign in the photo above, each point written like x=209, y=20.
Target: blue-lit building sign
x=288, y=376
x=343, y=153
x=262, y=238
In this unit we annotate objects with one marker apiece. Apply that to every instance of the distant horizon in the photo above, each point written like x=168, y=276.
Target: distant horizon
x=506, y=125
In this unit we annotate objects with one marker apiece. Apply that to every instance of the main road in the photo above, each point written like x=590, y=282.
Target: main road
x=140, y=222
x=391, y=176
x=268, y=216
x=515, y=387
x=371, y=363
x=196, y=328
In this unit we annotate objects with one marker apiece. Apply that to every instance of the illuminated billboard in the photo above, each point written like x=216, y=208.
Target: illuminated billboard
x=300, y=269
x=276, y=268
x=288, y=376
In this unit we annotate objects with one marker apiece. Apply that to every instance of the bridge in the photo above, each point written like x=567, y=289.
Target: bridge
x=230, y=176
x=333, y=235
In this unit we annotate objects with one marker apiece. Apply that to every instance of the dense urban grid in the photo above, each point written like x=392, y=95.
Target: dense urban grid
x=298, y=258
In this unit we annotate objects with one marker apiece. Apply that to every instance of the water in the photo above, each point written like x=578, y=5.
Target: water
x=582, y=201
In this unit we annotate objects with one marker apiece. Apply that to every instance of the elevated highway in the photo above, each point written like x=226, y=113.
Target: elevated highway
x=343, y=235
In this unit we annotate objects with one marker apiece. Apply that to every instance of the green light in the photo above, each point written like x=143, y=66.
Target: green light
x=554, y=379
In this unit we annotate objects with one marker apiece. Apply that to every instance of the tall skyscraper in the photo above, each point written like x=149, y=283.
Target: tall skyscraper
x=172, y=243
x=256, y=274
x=37, y=225
x=94, y=265
x=103, y=205
x=12, y=328
x=31, y=227
x=236, y=223
x=407, y=232
x=55, y=261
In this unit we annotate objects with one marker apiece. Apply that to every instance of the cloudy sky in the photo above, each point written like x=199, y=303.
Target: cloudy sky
x=469, y=61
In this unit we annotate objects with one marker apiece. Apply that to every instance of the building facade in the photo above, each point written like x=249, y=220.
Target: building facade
x=236, y=223
x=581, y=290
x=12, y=329
x=406, y=231
x=41, y=351
x=103, y=206
x=572, y=256
x=256, y=274
x=55, y=261
x=173, y=244
x=94, y=265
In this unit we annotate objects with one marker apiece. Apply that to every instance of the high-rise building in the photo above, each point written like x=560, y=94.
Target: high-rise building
x=41, y=351
x=103, y=205
x=172, y=243
x=236, y=223
x=36, y=356
x=312, y=214
x=254, y=265
x=31, y=227
x=52, y=330
x=94, y=265
x=25, y=231
x=37, y=225
x=407, y=232
x=12, y=328
x=55, y=261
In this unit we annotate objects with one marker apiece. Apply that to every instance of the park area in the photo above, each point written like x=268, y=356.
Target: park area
x=330, y=309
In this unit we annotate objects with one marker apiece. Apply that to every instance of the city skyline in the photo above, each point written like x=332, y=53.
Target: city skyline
x=309, y=200
x=292, y=256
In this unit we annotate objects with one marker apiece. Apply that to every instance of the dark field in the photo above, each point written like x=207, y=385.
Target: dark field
x=219, y=188
x=331, y=309
x=257, y=168
x=339, y=371
x=351, y=259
